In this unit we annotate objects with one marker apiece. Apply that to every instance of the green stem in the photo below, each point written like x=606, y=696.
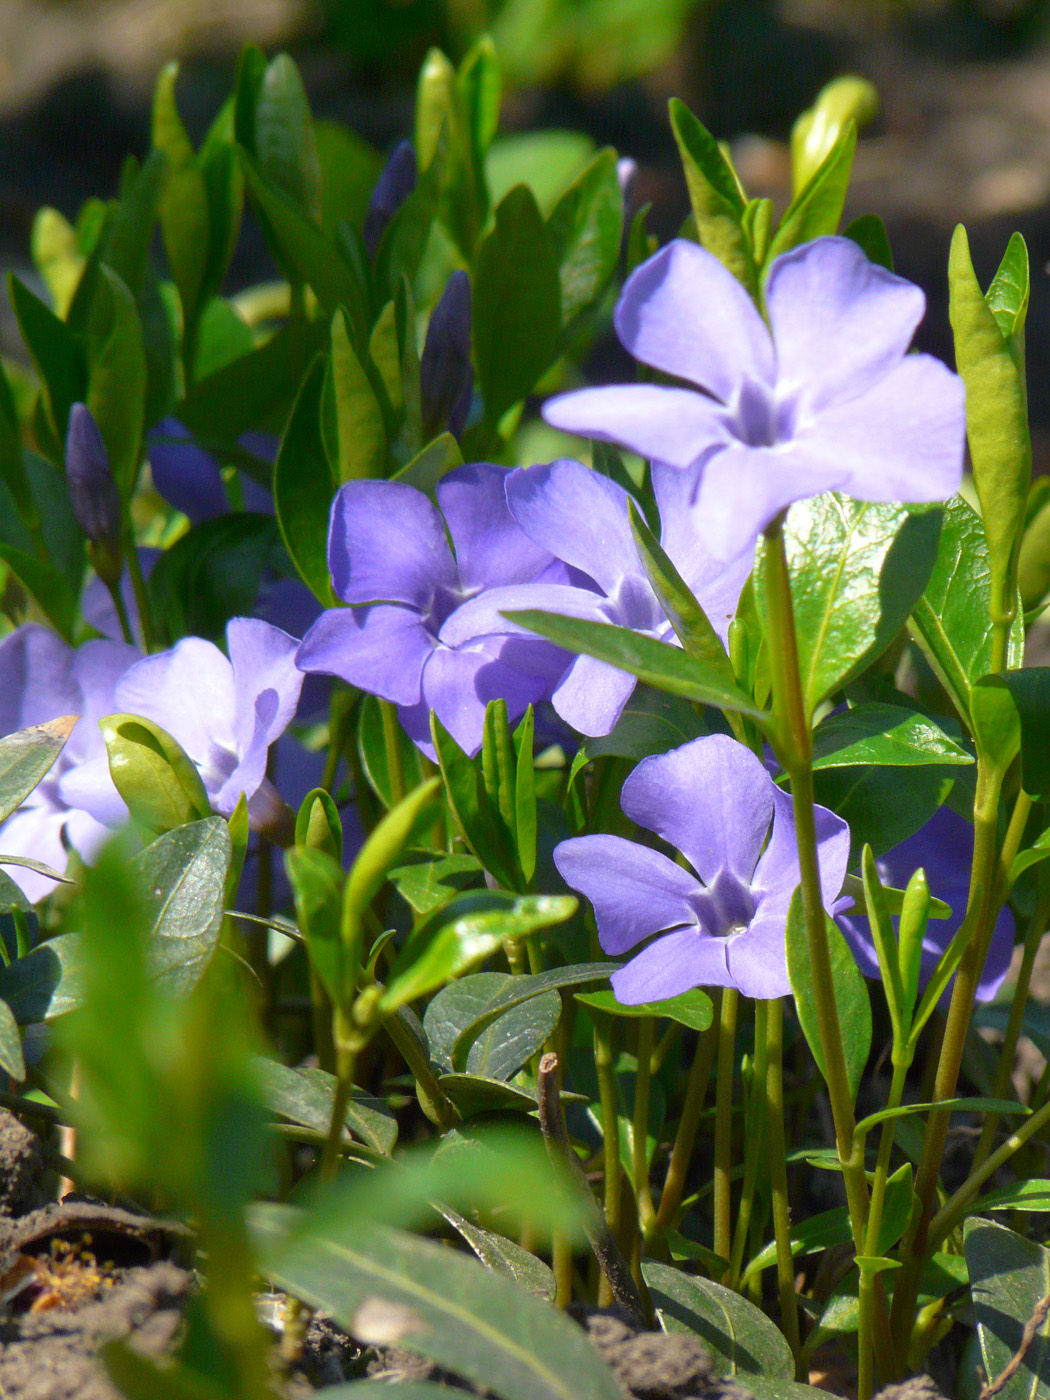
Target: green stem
x=122, y=612
x=778, y=1177
x=391, y=743
x=604, y=1065
x=640, y=1144
x=866, y=1292
x=753, y=1143
x=722, y=1204
x=138, y=584
x=346, y=1062
x=688, y=1123
x=437, y=1105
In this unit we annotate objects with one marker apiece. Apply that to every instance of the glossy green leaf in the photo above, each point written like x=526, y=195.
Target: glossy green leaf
x=900, y=997
x=1008, y=1277
x=55, y=351
x=185, y=219
x=849, y=98
x=995, y=722
x=116, y=388
x=1033, y=1195
x=883, y=806
x=376, y=760
x=304, y=486
x=429, y=880
x=692, y=626
x=497, y=1000
x=692, y=1008
x=857, y=569
x=125, y=245
x=46, y=982
x=508, y=1043
x=305, y=1096
x=505, y=1257
x=517, y=303
x=427, y=467
x=851, y=993
x=885, y=735
x=869, y=233
x=479, y=84
x=657, y=663
x=405, y=238
x=25, y=758
x=963, y=1105
x=1030, y=692
x=152, y=773
x=472, y=809
x=714, y=195
x=283, y=136
x=359, y=418
x=318, y=825
x=384, y=848
x=504, y=1040
x=316, y=878
x=46, y=585
x=817, y=208
x=476, y=1093
x=1033, y=565
x=183, y=878
x=224, y=182
x=952, y=620
x=464, y=933
x=435, y=1300
x=12, y=1061
x=996, y=404
x=585, y=229
x=742, y=1341
x=525, y=816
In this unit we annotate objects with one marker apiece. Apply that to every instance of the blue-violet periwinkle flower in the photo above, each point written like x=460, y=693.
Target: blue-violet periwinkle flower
x=76, y=805
x=93, y=491
x=823, y=398
x=393, y=187
x=944, y=849
x=582, y=518
x=190, y=478
x=389, y=557
x=722, y=923
x=446, y=375
x=224, y=711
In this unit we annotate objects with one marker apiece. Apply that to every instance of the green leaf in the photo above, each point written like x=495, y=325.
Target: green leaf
x=525, y=820
x=952, y=619
x=817, y=208
x=25, y=758
x=692, y=1009
x=304, y=486
x=427, y=468
x=305, y=251
x=995, y=722
x=183, y=878
x=185, y=219
x=585, y=229
x=1033, y=1195
x=359, y=417
x=305, y=1096
x=116, y=388
x=657, y=663
x=965, y=1105
x=153, y=773
x=692, y=626
x=857, y=569
x=1030, y=691
x=1035, y=1021
x=375, y=758
x=1008, y=1277
x=991, y=363
x=316, y=878
x=851, y=993
x=283, y=135
x=479, y=84
x=431, y=1299
x=517, y=304
x=318, y=825
x=472, y=809
x=503, y=1041
x=505, y=1257
x=869, y=233
x=651, y=722
x=886, y=735
x=717, y=204
x=46, y=585
x=56, y=353
x=514, y=992
x=476, y=1093
x=12, y=1061
x=47, y=982
x=464, y=933
x=741, y=1339
x=511, y=1041
x=426, y=881
x=883, y=806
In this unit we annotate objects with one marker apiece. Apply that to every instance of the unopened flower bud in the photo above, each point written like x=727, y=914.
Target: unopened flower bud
x=445, y=372
x=393, y=187
x=93, y=492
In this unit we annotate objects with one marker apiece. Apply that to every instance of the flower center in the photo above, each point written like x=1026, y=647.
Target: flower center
x=727, y=906
x=759, y=418
x=443, y=603
x=634, y=605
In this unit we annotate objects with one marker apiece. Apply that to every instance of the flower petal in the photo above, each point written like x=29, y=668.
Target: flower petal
x=757, y=960
x=673, y=425
x=89, y=787
x=578, y=515
x=777, y=873
x=263, y=659
x=188, y=691
x=839, y=321
x=635, y=891
x=381, y=649
x=386, y=543
x=711, y=798
x=483, y=616
x=491, y=547
x=458, y=685
x=901, y=441
x=38, y=681
x=684, y=312
x=671, y=965
x=592, y=694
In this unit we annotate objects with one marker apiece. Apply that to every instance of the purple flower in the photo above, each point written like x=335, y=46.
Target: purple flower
x=944, y=849
x=75, y=806
x=92, y=489
x=824, y=398
x=446, y=376
x=225, y=712
x=389, y=556
x=190, y=479
x=393, y=187
x=581, y=517
x=722, y=922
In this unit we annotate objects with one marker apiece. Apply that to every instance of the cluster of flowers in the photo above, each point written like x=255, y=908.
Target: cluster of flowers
x=822, y=397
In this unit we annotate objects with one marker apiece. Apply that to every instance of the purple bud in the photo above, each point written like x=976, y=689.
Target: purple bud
x=393, y=187
x=445, y=372
x=626, y=171
x=92, y=490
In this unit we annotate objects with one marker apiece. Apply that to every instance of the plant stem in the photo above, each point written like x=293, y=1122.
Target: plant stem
x=640, y=1134
x=754, y=1142
x=391, y=734
x=685, y=1137
x=604, y=1031
x=138, y=584
x=346, y=1063
x=866, y=1293
x=122, y=612
x=722, y=1204
x=778, y=1178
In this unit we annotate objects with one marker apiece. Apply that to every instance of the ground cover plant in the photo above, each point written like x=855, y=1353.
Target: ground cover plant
x=477, y=843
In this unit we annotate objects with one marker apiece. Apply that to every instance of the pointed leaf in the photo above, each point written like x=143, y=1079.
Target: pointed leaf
x=851, y=993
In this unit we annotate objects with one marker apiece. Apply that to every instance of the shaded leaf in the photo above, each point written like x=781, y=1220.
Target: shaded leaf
x=740, y=1338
